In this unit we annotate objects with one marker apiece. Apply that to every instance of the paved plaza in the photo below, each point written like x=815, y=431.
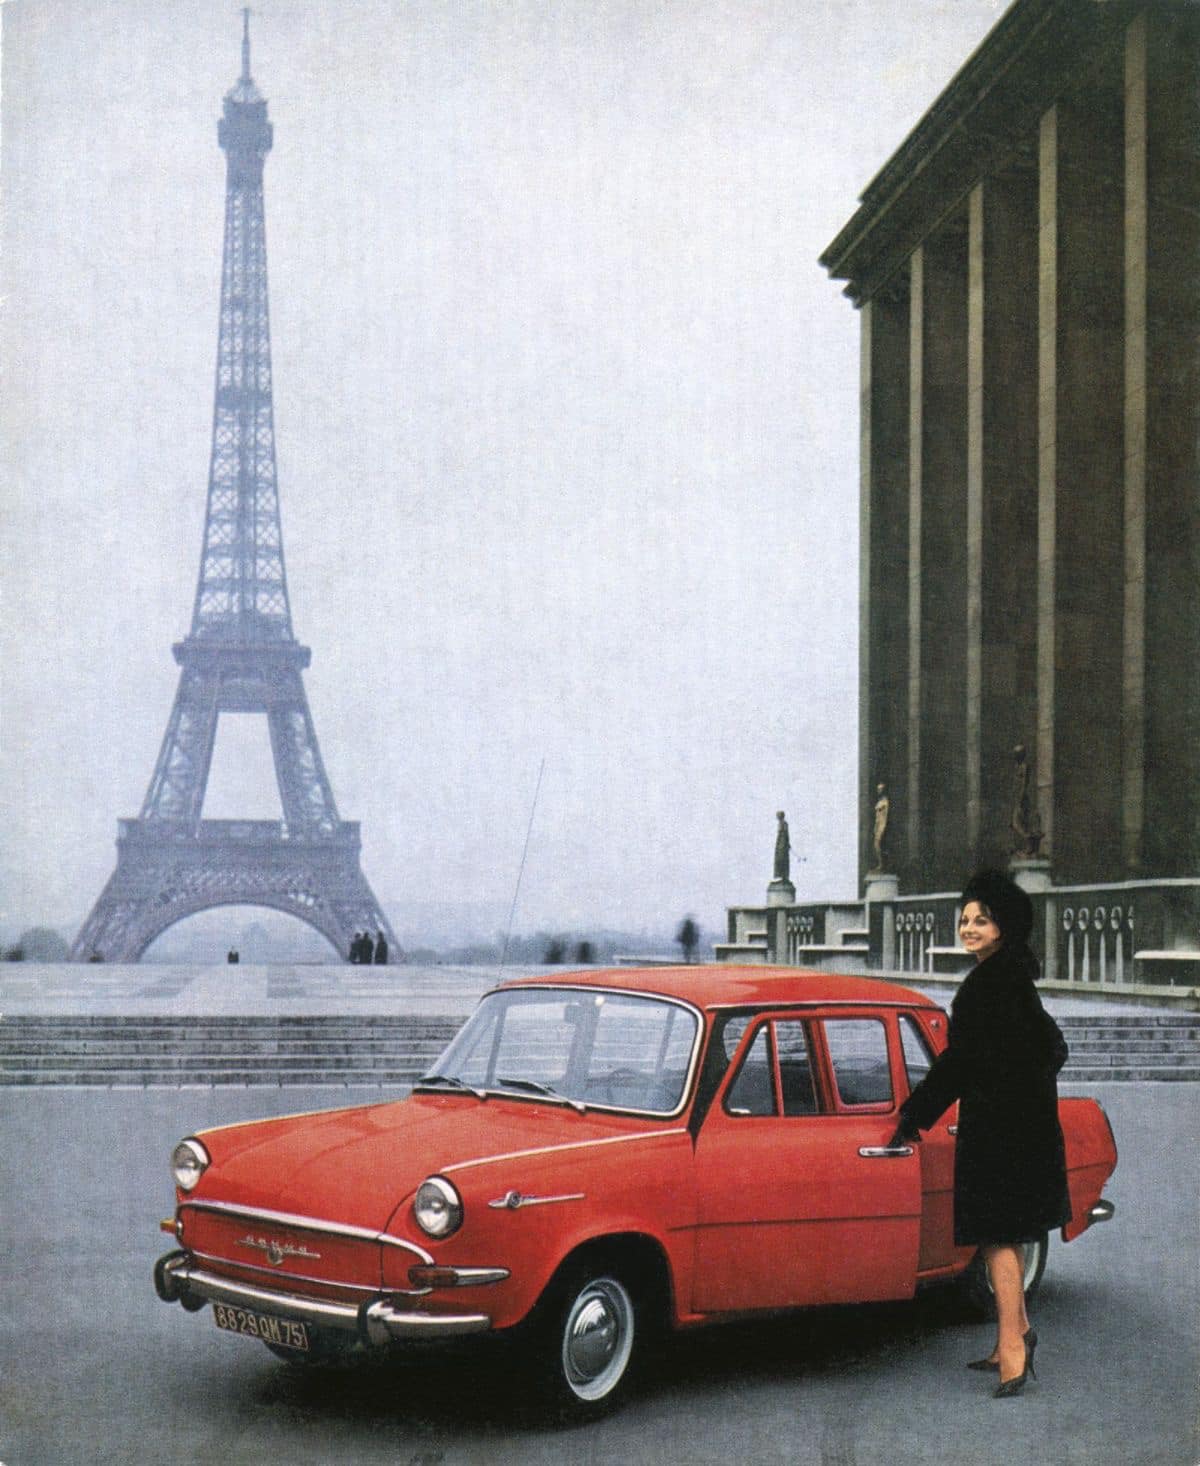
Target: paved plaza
x=153, y=989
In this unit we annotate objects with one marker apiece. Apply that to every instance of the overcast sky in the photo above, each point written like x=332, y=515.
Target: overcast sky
x=566, y=419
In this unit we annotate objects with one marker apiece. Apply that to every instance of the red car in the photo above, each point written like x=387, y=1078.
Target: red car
x=593, y=1158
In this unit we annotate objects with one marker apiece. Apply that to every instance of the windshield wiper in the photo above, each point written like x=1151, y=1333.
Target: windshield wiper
x=535, y=1086
x=454, y=1081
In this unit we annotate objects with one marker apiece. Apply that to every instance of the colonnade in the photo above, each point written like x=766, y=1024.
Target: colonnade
x=1030, y=488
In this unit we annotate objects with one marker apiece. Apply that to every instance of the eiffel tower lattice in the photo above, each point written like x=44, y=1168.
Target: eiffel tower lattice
x=241, y=654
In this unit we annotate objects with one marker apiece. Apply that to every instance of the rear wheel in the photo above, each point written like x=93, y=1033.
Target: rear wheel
x=977, y=1285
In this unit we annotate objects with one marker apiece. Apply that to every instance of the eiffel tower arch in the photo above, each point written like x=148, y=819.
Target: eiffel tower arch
x=241, y=654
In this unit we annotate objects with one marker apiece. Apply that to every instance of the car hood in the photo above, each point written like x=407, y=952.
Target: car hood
x=355, y=1166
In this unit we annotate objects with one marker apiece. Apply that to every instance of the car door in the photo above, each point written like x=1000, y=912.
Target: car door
x=799, y=1201
x=936, y=1152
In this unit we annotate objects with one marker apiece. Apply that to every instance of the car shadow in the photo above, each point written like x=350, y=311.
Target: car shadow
x=483, y=1387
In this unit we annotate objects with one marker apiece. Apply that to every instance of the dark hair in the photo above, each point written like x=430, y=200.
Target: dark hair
x=1005, y=902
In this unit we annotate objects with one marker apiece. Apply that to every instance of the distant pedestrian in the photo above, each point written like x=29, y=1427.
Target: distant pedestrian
x=381, y=950
x=232, y=955
x=356, y=948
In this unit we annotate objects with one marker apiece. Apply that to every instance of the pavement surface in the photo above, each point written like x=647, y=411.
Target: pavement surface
x=165, y=989
x=97, y=1371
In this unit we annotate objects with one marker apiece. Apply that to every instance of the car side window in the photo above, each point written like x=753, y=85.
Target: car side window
x=858, y=1055
x=753, y=1089
x=917, y=1057
x=795, y=1069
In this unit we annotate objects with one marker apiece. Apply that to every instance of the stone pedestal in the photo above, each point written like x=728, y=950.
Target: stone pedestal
x=781, y=893
x=881, y=887
x=1032, y=875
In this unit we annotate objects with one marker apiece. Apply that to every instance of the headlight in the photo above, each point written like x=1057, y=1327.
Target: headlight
x=189, y=1161
x=438, y=1207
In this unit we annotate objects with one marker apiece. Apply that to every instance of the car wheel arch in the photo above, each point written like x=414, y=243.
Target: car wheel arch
x=615, y=1289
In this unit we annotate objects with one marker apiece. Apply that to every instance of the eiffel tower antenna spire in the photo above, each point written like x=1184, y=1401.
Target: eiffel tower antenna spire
x=240, y=654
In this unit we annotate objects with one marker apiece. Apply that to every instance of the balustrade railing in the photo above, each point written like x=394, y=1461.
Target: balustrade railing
x=1081, y=934
x=1097, y=944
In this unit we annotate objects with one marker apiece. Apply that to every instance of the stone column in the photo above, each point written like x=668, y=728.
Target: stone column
x=1001, y=519
x=937, y=558
x=1161, y=682
x=1081, y=478
x=883, y=563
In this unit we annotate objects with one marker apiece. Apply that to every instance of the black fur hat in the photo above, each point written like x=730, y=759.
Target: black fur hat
x=1005, y=902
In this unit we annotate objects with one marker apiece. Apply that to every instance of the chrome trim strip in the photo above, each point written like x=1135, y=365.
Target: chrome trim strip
x=518, y=1155
x=253, y=1267
x=306, y=1224
x=871, y=1152
x=512, y=1200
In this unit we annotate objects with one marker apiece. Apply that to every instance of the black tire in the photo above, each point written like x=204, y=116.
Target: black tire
x=588, y=1337
x=977, y=1288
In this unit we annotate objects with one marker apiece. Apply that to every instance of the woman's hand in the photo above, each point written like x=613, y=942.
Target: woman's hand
x=902, y=1137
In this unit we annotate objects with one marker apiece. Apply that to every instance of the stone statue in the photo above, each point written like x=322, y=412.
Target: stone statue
x=783, y=848
x=879, y=826
x=1026, y=822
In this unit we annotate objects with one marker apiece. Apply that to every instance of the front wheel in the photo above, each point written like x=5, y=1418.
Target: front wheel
x=978, y=1286
x=589, y=1335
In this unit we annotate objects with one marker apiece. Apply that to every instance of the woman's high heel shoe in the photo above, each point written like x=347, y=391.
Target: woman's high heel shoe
x=1030, y=1337
x=1007, y=1388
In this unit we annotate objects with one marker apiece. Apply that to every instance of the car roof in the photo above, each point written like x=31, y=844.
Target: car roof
x=723, y=985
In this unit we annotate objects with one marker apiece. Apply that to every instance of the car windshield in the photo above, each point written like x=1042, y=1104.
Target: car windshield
x=603, y=1050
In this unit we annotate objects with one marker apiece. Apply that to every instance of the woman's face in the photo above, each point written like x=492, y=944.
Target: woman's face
x=978, y=933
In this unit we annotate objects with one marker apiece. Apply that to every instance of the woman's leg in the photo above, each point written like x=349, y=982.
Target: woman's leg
x=1006, y=1269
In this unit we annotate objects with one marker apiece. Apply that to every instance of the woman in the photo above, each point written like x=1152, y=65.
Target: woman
x=1003, y=1053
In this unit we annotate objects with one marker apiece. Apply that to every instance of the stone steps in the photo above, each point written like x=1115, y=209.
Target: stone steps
x=103, y=1051
x=392, y=1051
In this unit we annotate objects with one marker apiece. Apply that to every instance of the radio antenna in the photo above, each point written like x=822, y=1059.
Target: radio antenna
x=513, y=909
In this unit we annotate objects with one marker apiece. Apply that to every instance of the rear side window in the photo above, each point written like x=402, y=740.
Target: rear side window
x=859, y=1057
x=917, y=1057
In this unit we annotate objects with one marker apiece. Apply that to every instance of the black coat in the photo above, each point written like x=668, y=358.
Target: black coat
x=1001, y=1060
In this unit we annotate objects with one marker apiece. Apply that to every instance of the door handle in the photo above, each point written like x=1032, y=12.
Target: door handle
x=873, y=1151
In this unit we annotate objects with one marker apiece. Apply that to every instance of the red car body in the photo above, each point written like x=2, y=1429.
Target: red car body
x=750, y=1170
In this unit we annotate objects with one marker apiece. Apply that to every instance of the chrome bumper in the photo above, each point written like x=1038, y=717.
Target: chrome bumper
x=177, y=1279
x=1102, y=1211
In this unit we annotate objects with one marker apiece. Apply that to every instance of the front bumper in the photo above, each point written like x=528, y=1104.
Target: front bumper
x=179, y=1279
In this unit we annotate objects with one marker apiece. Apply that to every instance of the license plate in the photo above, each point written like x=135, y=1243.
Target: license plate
x=264, y=1326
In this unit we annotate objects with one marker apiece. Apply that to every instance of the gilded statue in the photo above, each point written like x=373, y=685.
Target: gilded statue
x=879, y=825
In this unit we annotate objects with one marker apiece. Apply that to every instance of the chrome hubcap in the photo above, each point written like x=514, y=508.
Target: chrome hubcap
x=597, y=1338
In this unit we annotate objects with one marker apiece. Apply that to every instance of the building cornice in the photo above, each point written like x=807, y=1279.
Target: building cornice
x=983, y=123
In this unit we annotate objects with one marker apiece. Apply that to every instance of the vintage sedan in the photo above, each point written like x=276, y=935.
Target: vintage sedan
x=596, y=1158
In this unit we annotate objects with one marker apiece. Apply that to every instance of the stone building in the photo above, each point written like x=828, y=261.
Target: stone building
x=1027, y=272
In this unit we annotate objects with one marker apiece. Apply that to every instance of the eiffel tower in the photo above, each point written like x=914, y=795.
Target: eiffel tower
x=241, y=654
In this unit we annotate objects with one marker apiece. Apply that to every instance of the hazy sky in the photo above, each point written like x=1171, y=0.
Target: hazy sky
x=566, y=419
